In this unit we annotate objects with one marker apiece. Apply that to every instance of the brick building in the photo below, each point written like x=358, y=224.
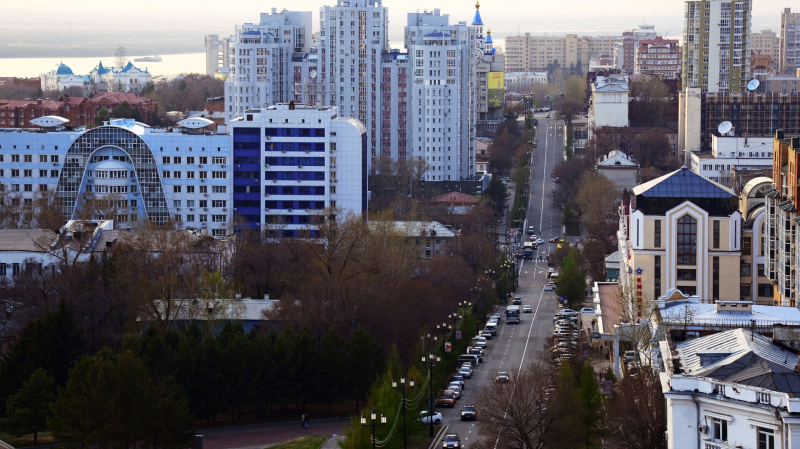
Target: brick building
x=80, y=111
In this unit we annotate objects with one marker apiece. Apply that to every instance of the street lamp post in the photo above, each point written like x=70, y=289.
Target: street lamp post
x=373, y=424
x=444, y=328
x=431, y=361
x=403, y=393
x=465, y=304
x=506, y=266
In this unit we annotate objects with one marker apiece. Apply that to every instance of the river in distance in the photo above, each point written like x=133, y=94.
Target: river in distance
x=169, y=65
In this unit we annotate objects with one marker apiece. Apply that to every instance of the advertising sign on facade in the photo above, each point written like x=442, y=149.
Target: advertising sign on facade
x=496, y=89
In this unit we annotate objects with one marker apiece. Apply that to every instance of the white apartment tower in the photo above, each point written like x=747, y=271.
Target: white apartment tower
x=442, y=96
x=353, y=36
x=789, y=51
x=716, y=39
x=260, y=60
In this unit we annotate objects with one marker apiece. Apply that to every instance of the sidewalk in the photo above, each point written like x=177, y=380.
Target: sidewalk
x=261, y=436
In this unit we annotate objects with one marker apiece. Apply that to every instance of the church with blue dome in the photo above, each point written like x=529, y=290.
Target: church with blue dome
x=491, y=69
x=101, y=79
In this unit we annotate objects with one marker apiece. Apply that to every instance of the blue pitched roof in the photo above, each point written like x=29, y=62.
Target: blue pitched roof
x=488, y=39
x=682, y=183
x=477, y=19
x=102, y=70
x=63, y=70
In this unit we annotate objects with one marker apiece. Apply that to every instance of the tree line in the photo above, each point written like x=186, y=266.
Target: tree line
x=150, y=389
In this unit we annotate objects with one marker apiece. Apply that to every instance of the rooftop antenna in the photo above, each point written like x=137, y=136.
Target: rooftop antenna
x=751, y=87
x=725, y=128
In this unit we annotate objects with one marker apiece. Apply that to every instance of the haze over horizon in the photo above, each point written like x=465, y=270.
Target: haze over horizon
x=98, y=27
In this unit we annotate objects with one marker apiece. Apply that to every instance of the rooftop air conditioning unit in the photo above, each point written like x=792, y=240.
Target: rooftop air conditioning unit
x=268, y=138
x=283, y=151
x=55, y=164
x=702, y=428
x=275, y=180
x=203, y=224
x=89, y=180
x=266, y=194
x=308, y=151
x=205, y=209
x=178, y=208
x=225, y=209
x=266, y=165
x=290, y=210
x=333, y=166
x=299, y=166
x=191, y=208
x=238, y=166
x=203, y=180
x=205, y=195
x=201, y=165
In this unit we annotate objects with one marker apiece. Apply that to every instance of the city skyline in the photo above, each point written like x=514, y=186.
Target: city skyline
x=88, y=34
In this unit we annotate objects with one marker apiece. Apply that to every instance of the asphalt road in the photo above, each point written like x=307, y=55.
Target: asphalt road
x=516, y=345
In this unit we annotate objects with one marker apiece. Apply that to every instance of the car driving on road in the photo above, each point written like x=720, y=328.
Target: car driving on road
x=527, y=308
x=469, y=413
x=451, y=441
x=502, y=376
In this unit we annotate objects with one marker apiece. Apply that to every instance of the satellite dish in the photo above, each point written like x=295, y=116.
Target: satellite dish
x=725, y=127
x=753, y=85
x=313, y=74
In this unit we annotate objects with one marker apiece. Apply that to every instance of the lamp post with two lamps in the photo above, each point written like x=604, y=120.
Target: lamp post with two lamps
x=430, y=360
x=403, y=393
x=373, y=423
x=465, y=304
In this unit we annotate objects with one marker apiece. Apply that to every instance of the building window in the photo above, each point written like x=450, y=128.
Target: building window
x=687, y=240
x=765, y=290
x=766, y=438
x=719, y=427
x=715, y=278
x=716, y=234
x=657, y=277
x=657, y=234
x=744, y=270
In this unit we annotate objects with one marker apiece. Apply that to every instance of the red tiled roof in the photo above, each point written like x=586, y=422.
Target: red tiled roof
x=454, y=197
x=119, y=97
x=49, y=104
x=215, y=106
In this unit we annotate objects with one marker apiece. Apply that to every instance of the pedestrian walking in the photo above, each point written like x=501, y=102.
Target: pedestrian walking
x=303, y=420
x=308, y=420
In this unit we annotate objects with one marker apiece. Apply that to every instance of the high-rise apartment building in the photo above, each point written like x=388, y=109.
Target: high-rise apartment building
x=217, y=56
x=442, y=100
x=260, y=58
x=764, y=44
x=353, y=36
x=789, y=47
x=716, y=39
x=536, y=53
x=626, y=48
x=293, y=161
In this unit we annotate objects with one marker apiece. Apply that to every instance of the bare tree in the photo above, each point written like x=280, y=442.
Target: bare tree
x=635, y=415
x=514, y=414
x=121, y=57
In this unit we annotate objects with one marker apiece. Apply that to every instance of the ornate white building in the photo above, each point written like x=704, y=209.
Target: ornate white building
x=101, y=79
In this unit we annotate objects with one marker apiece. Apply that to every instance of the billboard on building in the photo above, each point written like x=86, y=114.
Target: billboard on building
x=496, y=89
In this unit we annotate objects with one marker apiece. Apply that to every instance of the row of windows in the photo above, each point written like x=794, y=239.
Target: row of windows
x=190, y=174
x=29, y=157
x=215, y=160
x=203, y=189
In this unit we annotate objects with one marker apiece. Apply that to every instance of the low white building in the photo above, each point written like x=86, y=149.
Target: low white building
x=522, y=81
x=61, y=77
x=727, y=153
x=609, y=103
x=101, y=79
x=619, y=169
x=732, y=389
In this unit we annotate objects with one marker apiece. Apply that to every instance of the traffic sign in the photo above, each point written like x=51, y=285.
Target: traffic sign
x=458, y=335
x=448, y=346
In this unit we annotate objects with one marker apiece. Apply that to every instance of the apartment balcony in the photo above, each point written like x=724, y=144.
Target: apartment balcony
x=710, y=444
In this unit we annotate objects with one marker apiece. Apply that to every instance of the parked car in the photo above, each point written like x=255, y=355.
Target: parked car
x=425, y=417
x=451, y=441
x=491, y=327
x=487, y=334
x=465, y=373
x=587, y=310
x=630, y=356
x=502, y=376
x=527, y=308
x=481, y=342
x=568, y=312
x=448, y=399
x=455, y=388
x=460, y=381
x=469, y=412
